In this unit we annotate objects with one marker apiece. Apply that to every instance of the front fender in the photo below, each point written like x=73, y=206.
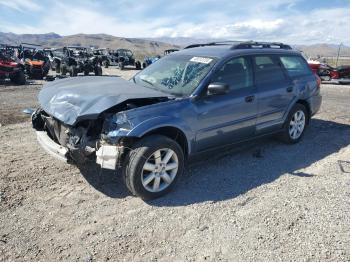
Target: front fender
x=163, y=121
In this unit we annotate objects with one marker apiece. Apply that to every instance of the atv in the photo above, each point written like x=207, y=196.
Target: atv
x=148, y=60
x=55, y=56
x=78, y=59
x=104, y=57
x=36, y=62
x=126, y=58
x=10, y=65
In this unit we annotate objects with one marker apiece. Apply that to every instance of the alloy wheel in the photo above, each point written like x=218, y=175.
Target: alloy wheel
x=297, y=124
x=159, y=170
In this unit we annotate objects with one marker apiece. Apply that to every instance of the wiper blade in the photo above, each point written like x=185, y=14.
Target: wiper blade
x=148, y=82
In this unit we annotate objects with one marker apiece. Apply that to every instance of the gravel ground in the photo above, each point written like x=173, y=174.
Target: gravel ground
x=265, y=201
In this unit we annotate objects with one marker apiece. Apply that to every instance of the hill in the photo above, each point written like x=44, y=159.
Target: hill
x=145, y=46
x=140, y=47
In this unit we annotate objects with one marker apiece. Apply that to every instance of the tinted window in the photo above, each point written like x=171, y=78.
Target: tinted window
x=267, y=70
x=237, y=73
x=295, y=65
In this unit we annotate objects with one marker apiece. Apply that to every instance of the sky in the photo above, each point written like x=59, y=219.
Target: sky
x=291, y=21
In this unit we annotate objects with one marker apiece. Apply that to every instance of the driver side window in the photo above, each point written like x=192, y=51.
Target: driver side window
x=237, y=73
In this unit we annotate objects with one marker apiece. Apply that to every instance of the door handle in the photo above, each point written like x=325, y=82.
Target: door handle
x=249, y=99
x=289, y=89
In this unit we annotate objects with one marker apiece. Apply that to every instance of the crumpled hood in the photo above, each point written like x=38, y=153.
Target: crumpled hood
x=74, y=99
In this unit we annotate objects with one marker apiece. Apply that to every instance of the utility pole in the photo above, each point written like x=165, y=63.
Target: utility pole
x=336, y=64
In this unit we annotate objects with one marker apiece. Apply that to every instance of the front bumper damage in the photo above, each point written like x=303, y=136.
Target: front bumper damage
x=108, y=156
x=54, y=149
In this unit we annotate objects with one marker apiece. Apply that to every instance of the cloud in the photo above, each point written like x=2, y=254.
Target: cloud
x=292, y=21
x=21, y=5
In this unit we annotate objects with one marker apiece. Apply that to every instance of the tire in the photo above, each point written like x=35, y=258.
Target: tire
x=73, y=71
x=19, y=78
x=144, y=65
x=138, y=65
x=293, y=133
x=63, y=70
x=58, y=69
x=105, y=64
x=121, y=65
x=98, y=71
x=135, y=174
x=86, y=73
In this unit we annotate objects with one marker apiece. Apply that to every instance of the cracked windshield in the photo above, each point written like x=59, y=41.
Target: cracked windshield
x=175, y=75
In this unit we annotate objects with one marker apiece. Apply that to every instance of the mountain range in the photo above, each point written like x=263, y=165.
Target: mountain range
x=144, y=46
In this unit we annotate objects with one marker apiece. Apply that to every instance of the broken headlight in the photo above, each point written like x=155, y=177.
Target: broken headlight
x=116, y=125
x=120, y=119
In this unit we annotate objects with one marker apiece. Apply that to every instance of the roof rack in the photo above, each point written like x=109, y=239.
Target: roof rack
x=258, y=45
x=244, y=45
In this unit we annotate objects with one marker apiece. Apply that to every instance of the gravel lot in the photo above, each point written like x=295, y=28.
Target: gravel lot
x=264, y=201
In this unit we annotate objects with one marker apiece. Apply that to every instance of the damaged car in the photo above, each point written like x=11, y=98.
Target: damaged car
x=189, y=102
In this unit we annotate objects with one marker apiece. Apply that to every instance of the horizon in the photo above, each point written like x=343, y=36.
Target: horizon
x=298, y=22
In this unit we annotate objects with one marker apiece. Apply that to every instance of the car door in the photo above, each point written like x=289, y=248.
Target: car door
x=275, y=92
x=228, y=118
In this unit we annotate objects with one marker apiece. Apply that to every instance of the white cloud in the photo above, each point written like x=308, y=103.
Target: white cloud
x=259, y=24
x=270, y=20
x=21, y=5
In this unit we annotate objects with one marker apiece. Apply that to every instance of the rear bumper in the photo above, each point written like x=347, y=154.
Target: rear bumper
x=315, y=103
x=50, y=146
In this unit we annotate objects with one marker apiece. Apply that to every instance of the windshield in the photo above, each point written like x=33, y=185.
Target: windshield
x=177, y=75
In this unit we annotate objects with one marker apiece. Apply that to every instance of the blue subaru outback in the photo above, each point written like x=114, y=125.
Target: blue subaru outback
x=201, y=98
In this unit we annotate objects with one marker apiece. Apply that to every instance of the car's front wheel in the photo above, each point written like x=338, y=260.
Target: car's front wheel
x=153, y=166
x=295, y=125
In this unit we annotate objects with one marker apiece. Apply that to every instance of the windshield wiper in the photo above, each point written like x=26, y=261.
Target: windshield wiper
x=148, y=82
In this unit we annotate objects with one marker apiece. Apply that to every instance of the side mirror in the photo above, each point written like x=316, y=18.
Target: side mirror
x=217, y=88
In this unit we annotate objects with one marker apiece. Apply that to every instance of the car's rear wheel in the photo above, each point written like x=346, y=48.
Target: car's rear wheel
x=152, y=168
x=295, y=125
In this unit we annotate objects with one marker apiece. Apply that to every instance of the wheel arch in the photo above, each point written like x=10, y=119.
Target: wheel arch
x=307, y=106
x=173, y=133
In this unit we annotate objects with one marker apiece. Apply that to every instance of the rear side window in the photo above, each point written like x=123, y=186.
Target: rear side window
x=295, y=66
x=267, y=70
x=237, y=73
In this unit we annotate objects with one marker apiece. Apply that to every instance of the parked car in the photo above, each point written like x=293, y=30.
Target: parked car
x=126, y=58
x=340, y=74
x=35, y=60
x=77, y=59
x=10, y=65
x=189, y=102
